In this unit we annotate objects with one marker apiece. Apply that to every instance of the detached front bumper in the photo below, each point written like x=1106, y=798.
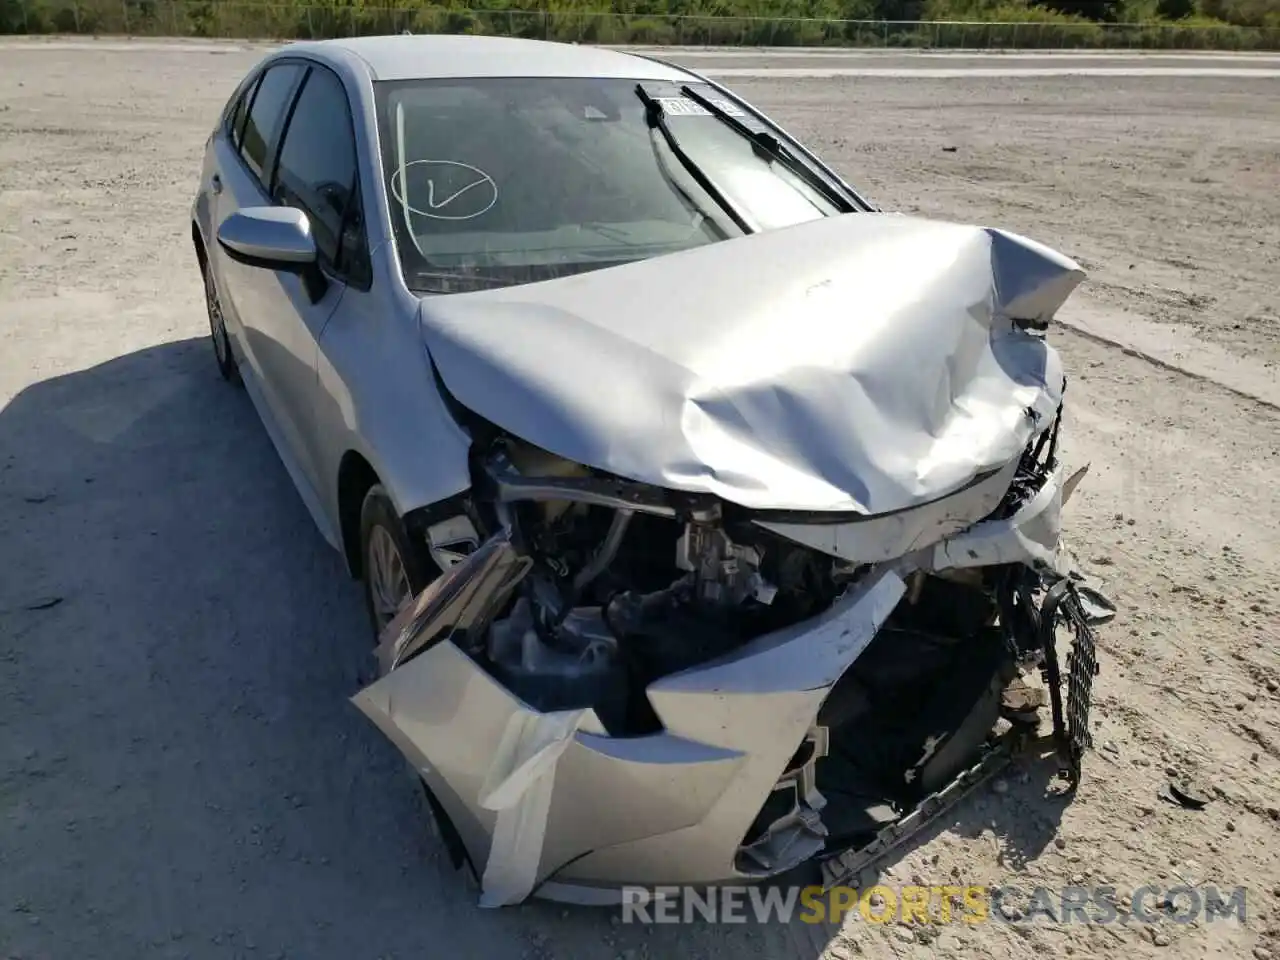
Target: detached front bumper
x=549, y=804
x=539, y=797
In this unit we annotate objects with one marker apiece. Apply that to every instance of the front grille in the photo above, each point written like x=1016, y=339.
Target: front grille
x=1062, y=607
x=1082, y=667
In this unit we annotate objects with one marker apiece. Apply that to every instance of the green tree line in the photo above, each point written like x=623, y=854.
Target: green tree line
x=1162, y=24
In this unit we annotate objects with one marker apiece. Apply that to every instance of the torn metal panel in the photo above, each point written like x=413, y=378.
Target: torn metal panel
x=809, y=656
x=1032, y=280
x=1032, y=536
x=639, y=788
x=707, y=720
x=448, y=718
x=518, y=788
x=465, y=598
x=879, y=538
x=514, y=779
x=865, y=363
x=799, y=834
x=758, y=703
x=506, y=697
x=553, y=802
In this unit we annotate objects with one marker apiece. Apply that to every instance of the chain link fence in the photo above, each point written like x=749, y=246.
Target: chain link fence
x=242, y=19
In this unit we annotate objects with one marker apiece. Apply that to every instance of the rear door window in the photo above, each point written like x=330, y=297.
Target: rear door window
x=266, y=117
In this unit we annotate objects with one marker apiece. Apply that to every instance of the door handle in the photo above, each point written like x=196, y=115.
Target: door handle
x=215, y=183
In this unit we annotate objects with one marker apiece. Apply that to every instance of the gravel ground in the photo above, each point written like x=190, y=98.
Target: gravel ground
x=180, y=772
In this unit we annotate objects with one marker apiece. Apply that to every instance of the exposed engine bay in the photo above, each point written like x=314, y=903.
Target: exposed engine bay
x=582, y=595
x=617, y=597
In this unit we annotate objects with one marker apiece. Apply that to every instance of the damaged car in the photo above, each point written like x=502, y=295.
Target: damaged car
x=709, y=518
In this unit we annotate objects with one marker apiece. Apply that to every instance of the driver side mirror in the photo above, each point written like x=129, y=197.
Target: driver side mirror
x=274, y=238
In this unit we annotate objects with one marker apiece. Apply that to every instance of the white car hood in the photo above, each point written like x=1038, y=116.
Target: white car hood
x=865, y=362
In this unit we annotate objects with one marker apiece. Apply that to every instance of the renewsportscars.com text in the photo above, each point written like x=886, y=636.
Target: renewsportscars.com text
x=936, y=904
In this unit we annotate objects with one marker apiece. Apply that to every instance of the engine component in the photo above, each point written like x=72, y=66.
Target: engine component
x=798, y=833
x=667, y=631
x=904, y=719
x=724, y=572
x=604, y=556
x=534, y=461
x=451, y=541
x=581, y=669
x=702, y=615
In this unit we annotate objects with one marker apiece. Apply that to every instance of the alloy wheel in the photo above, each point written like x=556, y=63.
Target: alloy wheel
x=389, y=587
x=217, y=325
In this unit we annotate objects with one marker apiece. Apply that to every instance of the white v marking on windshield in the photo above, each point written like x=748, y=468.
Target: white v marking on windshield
x=431, y=194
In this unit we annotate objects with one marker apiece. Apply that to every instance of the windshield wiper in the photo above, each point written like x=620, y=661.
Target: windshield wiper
x=452, y=278
x=768, y=147
x=656, y=118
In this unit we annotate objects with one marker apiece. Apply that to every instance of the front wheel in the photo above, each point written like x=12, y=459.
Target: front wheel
x=218, y=327
x=395, y=569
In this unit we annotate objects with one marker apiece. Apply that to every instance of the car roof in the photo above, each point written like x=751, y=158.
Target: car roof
x=427, y=56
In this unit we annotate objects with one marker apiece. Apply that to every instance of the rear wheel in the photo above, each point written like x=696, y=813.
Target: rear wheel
x=395, y=569
x=218, y=327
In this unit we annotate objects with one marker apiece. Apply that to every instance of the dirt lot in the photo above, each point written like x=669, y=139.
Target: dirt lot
x=180, y=772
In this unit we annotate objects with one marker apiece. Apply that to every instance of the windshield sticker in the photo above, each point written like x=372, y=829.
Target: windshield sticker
x=683, y=107
x=732, y=109
x=680, y=107
x=446, y=190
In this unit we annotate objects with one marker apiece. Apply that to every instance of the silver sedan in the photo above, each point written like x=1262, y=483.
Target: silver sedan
x=708, y=517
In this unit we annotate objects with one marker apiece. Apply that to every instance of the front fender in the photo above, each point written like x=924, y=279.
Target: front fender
x=378, y=397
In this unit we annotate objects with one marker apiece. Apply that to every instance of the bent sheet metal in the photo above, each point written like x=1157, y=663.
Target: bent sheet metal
x=868, y=363
x=763, y=533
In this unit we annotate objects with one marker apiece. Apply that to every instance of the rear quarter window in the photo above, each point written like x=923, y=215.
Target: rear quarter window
x=235, y=113
x=266, y=117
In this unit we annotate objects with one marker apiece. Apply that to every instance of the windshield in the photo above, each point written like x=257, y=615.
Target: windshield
x=495, y=182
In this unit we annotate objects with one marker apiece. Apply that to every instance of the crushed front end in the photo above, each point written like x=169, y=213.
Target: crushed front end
x=613, y=684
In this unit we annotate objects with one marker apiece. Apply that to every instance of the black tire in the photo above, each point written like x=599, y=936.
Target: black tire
x=217, y=326
x=444, y=830
x=377, y=516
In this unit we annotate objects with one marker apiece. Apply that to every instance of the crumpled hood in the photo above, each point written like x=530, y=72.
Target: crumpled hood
x=865, y=362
